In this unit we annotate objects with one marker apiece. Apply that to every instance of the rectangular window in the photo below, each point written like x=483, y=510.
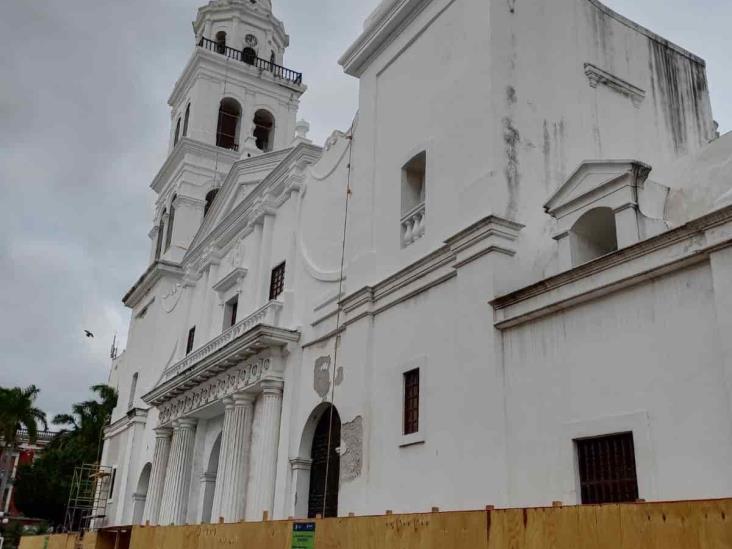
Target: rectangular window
x=112, y=477
x=191, y=339
x=230, y=312
x=411, y=402
x=277, y=281
x=607, y=469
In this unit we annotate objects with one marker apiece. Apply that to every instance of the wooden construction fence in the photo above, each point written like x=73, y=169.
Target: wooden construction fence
x=678, y=525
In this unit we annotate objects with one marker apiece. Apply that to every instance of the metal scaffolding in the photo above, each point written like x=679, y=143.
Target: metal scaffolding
x=91, y=487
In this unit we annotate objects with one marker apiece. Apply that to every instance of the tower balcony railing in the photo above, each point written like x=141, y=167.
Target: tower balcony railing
x=245, y=56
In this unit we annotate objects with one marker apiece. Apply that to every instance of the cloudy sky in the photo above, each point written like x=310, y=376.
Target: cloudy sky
x=84, y=128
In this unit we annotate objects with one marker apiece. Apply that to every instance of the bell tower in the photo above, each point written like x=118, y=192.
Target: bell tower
x=234, y=100
x=236, y=92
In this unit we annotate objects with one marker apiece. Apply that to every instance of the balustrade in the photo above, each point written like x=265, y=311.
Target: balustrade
x=413, y=225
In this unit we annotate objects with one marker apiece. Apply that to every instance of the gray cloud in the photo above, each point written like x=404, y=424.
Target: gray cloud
x=84, y=128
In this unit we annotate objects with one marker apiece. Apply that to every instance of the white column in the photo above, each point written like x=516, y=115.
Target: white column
x=157, y=474
x=260, y=496
x=300, y=485
x=237, y=458
x=221, y=475
x=178, y=478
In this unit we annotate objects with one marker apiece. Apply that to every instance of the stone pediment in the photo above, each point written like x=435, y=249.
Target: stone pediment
x=594, y=179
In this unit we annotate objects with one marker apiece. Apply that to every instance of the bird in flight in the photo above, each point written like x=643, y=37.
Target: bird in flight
x=88, y=333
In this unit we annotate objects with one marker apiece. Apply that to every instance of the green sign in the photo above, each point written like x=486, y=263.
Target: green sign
x=303, y=535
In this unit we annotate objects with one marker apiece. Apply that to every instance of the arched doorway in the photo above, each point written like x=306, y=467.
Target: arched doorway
x=140, y=495
x=209, y=481
x=325, y=467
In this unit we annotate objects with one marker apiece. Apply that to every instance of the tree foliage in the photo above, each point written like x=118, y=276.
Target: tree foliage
x=42, y=489
x=18, y=412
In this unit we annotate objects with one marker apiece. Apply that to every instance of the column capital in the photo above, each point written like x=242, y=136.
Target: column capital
x=228, y=403
x=208, y=477
x=301, y=464
x=272, y=386
x=243, y=399
x=163, y=432
x=188, y=423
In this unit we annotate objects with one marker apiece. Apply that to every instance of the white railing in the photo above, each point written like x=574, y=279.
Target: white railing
x=413, y=225
x=269, y=314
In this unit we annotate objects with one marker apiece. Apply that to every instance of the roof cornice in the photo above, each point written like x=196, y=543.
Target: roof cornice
x=380, y=32
x=149, y=278
x=184, y=147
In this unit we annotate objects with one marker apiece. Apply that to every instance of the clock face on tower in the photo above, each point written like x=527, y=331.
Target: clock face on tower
x=251, y=40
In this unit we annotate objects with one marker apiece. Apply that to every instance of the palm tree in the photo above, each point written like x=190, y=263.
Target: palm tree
x=89, y=418
x=17, y=412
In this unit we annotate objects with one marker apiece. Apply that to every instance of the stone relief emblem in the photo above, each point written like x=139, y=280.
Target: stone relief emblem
x=172, y=297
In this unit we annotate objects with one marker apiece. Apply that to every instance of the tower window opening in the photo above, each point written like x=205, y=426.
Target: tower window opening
x=272, y=58
x=161, y=235
x=177, y=133
x=221, y=42
x=263, y=130
x=248, y=55
x=210, y=196
x=227, y=132
x=186, y=119
x=171, y=220
x=593, y=235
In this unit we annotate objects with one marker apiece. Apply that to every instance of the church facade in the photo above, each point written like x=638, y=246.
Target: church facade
x=509, y=282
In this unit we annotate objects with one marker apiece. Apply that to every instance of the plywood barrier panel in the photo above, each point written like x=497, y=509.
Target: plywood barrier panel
x=61, y=541
x=165, y=537
x=32, y=542
x=89, y=540
x=246, y=535
x=678, y=525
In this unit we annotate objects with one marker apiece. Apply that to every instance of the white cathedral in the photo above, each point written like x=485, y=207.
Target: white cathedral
x=508, y=283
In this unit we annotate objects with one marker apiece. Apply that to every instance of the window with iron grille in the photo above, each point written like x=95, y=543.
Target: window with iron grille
x=411, y=402
x=277, y=281
x=191, y=339
x=607, y=469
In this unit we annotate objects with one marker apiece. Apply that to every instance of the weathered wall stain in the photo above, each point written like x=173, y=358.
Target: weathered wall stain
x=511, y=139
x=666, y=70
x=512, y=6
x=351, y=450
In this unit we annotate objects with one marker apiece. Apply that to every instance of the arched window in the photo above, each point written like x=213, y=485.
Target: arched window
x=161, y=232
x=272, y=58
x=210, y=196
x=593, y=235
x=177, y=132
x=413, y=199
x=248, y=55
x=186, y=119
x=227, y=133
x=171, y=221
x=221, y=42
x=264, y=130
